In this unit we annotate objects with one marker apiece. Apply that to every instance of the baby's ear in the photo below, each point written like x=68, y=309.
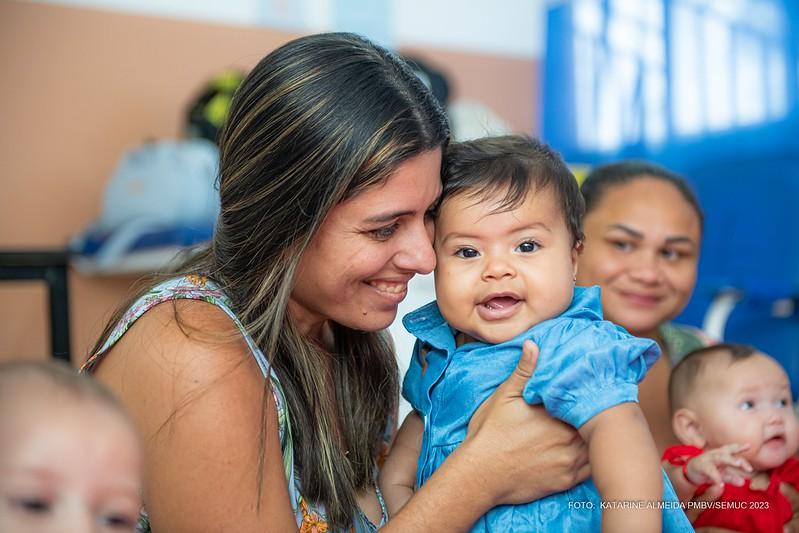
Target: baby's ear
x=577, y=249
x=687, y=428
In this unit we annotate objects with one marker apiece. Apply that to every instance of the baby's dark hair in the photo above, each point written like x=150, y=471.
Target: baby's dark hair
x=685, y=373
x=604, y=177
x=515, y=165
x=61, y=377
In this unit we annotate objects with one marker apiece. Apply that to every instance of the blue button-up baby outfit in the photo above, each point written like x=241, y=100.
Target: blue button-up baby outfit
x=586, y=365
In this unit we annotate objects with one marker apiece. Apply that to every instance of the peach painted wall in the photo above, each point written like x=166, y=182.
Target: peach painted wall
x=508, y=85
x=82, y=85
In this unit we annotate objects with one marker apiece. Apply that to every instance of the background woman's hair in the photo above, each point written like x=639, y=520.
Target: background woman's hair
x=605, y=177
x=512, y=165
x=316, y=122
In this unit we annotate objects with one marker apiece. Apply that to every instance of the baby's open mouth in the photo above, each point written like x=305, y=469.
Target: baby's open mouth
x=500, y=302
x=776, y=440
x=499, y=307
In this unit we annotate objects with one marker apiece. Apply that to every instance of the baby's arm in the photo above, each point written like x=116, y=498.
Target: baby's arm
x=398, y=475
x=625, y=467
x=718, y=465
x=713, y=466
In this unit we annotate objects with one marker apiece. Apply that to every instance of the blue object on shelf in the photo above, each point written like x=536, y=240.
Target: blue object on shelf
x=162, y=197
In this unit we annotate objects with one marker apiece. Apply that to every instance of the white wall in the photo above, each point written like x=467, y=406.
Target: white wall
x=506, y=27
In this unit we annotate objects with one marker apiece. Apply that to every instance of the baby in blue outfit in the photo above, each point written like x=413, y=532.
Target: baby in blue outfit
x=507, y=237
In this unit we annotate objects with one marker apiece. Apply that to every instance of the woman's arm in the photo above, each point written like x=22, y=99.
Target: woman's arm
x=398, y=474
x=513, y=453
x=625, y=467
x=196, y=394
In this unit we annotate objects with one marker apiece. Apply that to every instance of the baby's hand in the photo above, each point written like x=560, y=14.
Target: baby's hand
x=719, y=465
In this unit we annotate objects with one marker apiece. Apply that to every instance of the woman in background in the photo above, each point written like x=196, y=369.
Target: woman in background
x=643, y=230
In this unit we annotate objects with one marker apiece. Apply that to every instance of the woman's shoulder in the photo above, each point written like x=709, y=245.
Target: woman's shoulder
x=180, y=347
x=189, y=288
x=185, y=370
x=189, y=380
x=177, y=340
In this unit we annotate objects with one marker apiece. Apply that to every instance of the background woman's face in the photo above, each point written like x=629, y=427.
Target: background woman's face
x=357, y=267
x=642, y=247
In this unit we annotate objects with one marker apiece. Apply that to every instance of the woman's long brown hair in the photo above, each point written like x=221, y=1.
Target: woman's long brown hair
x=317, y=121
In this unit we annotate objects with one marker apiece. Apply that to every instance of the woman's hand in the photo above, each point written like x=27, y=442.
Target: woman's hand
x=524, y=454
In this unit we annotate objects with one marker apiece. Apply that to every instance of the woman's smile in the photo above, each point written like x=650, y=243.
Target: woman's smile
x=640, y=299
x=394, y=291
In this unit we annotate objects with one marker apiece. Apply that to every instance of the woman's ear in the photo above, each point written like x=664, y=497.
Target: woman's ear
x=687, y=428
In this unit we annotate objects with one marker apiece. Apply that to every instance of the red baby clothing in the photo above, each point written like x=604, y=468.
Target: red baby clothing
x=742, y=508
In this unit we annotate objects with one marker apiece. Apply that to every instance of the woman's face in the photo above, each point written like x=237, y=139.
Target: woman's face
x=641, y=247
x=356, y=269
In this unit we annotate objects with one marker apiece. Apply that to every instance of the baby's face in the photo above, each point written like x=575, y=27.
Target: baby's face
x=68, y=468
x=499, y=273
x=748, y=401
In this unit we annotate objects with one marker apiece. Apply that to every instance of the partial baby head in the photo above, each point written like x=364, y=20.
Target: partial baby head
x=70, y=459
x=733, y=394
x=507, y=237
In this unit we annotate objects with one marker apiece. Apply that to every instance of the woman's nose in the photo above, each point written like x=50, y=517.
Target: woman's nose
x=417, y=254
x=645, y=267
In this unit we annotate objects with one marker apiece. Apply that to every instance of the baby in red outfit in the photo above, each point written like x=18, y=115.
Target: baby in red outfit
x=732, y=409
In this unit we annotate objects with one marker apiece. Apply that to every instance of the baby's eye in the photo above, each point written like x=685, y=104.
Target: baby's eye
x=746, y=405
x=528, y=247
x=118, y=522
x=783, y=402
x=467, y=253
x=33, y=505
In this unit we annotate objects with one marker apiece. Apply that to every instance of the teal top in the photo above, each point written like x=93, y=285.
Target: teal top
x=680, y=340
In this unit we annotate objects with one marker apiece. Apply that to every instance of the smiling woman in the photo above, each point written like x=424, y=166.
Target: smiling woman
x=643, y=230
x=261, y=374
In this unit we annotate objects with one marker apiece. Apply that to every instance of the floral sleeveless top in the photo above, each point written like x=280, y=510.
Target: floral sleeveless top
x=311, y=517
